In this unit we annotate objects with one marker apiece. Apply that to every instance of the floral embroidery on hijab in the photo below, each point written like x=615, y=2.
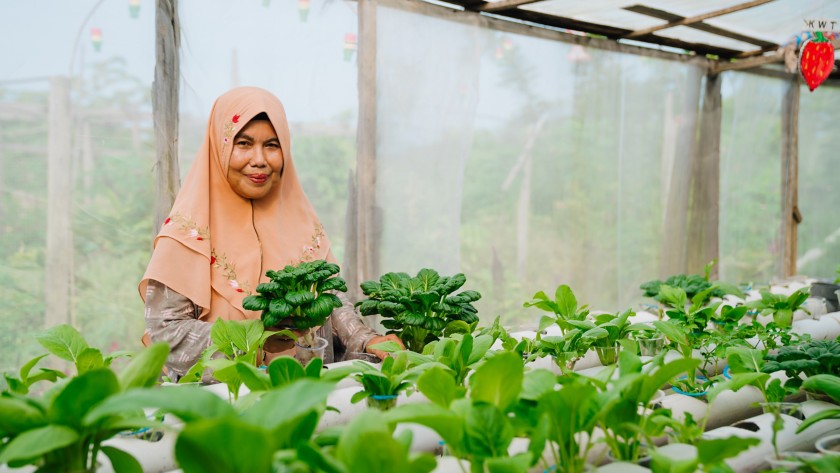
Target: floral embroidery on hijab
x=308, y=251
x=188, y=226
x=229, y=271
x=230, y=128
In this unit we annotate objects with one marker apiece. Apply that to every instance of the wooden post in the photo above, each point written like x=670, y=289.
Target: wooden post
x=350, y=274
x=790, y=177
x=703, y=241
x=165, y=108
x=675, y=219
x=59, y=264
x=367, y=248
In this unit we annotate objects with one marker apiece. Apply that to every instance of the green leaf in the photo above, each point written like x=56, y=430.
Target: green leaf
x=487, y=431
x=145, y=368
x=824, y=383
x=298, y=298
x=189, y=403
x=18, y=415
x=81, y=394
x=439, y=386
x=536, y=383
x=427, y=278
x=442, y=420
x=714, y=451
x=122, y=462
x=63, y=341
x=280, y=308
x=282, y=406
x=566, y=301
x=33, y=444
x=319, y=461
x=284, y=370
x=206, y=447
x=89, y=359
x=313, y=368
x=671, y=331
x=821, y=415
x=253, y=377
x=255, y=302
x=389, y=346
x=498, y=381
x=515, y=464
x=27, y=367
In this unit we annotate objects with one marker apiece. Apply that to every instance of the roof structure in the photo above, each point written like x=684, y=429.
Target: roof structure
x=751, y=33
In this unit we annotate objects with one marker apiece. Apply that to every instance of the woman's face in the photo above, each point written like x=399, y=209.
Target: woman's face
x=256, y=160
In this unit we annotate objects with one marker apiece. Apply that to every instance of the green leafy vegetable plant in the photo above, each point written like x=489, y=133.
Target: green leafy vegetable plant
x=419, y=308
x=779, y=306
x=233, y=343
x=479, y=428
x=63, y=430
x=301, y=294
x=805, y=360
x=747, y=368
x=564, y=308
x=381, y=386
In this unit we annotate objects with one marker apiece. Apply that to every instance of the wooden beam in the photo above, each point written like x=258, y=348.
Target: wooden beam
x=367, y=248
x=551, y=21
x=502, y=24
x=670, y=17
x=757, y=61
x=165, y=107
x=703, y=234
x=59, y=256
x=790, y=177
x=505, y=5
x=698, y=18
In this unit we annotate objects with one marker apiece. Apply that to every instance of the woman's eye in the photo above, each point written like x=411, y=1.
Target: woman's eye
x=243, y=143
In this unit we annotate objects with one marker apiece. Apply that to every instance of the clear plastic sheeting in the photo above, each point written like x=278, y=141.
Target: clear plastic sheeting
x=564, y=162
x=750, y=178
x=76, y=181
x=304, y=53
x=819, y=181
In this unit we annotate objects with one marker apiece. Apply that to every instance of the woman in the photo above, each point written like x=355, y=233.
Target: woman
x=241, y=211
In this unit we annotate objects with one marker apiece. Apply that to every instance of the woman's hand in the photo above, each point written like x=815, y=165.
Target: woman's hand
x=380, y=339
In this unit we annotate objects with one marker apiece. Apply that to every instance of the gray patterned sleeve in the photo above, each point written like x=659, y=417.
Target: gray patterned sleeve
x=173, y=318
x=348, y=327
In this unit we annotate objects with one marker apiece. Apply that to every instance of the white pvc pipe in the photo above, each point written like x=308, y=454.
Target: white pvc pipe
x=760, y=427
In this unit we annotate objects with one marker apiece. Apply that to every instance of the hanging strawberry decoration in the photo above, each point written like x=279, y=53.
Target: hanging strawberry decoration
x=816, y=60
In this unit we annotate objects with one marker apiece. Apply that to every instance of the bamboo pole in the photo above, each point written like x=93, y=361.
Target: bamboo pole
x=165, y=108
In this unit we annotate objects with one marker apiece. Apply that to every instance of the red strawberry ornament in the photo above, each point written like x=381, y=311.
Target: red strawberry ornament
x=816, y=60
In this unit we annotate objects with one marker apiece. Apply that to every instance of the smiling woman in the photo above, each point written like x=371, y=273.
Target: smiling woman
x=256, y=162
x=241, y=211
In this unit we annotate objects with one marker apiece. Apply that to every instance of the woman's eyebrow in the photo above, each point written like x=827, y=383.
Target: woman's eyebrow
x=244, y=136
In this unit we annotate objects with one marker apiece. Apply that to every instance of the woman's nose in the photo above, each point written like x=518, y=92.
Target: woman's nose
x=258, y=158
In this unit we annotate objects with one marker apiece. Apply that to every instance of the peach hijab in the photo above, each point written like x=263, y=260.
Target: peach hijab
x=216, y=246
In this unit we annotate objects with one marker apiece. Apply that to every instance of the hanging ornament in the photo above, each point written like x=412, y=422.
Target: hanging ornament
x=303, y=10
x=816, y=59
x=134, y=8
x=349, y=46
x=96, y=38
x=504, y=46
x=577, y=53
